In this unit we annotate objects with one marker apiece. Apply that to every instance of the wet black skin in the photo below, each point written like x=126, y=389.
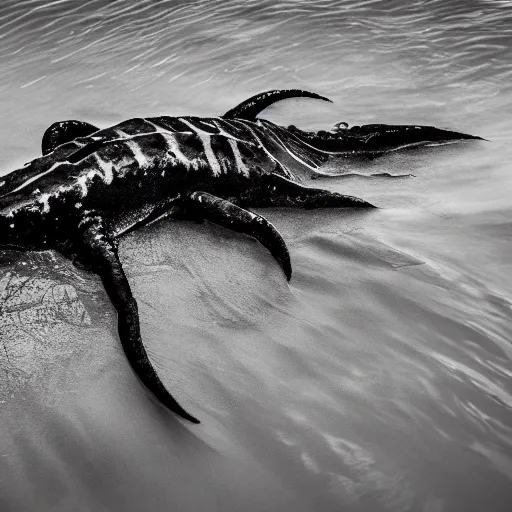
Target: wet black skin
x=91, y=186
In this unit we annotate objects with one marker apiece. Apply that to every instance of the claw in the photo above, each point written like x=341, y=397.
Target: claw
x=226, y=214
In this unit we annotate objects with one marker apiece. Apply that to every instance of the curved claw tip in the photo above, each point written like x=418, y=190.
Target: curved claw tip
x=176, y=408
x=315, y=96
x=186, y=416
x=286, y=266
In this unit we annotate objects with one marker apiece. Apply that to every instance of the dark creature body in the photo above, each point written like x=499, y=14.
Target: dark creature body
x=91, y=186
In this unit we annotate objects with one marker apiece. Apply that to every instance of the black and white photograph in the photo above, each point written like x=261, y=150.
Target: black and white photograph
x=256, y=256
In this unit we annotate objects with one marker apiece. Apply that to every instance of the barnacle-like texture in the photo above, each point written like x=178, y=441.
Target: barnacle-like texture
x=42, y=316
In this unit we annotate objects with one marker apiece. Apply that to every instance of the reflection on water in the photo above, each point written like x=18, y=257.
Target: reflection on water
x=379, y=378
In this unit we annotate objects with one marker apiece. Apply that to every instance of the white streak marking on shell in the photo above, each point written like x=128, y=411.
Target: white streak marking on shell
x=82, y=183
x=275, y=159
x=174, y=148
x=43, y=199
x=241, y=167
x=205, y=138
x=159, y=129
x=34, y=178
x=107, y=168
x=226, y=134
x=173, y=144
x=138, y=154
x=293, y=155
x=210, y=155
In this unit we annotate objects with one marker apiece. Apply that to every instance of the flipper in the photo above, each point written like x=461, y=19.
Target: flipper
x=65, y=131
x=224, y=213
x=279, y=191
x=101, y=257
x=251, y=107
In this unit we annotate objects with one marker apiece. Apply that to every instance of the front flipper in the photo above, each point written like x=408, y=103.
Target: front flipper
x=224, y=213
x=100, y=256
x=276, y=190
x=65, y=131
x=251, y=107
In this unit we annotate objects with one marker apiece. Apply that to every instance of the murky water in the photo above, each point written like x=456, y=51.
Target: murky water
x=379, y=378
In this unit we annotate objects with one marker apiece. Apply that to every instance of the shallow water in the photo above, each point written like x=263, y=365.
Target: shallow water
x=379, y=378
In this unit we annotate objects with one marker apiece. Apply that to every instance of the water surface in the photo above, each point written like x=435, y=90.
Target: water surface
x=379, y=378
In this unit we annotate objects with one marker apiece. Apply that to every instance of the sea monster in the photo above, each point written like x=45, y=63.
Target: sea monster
x=91, y=186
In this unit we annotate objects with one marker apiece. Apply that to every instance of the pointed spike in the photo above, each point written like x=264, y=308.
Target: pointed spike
x=251, y=107
x=386, y=137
